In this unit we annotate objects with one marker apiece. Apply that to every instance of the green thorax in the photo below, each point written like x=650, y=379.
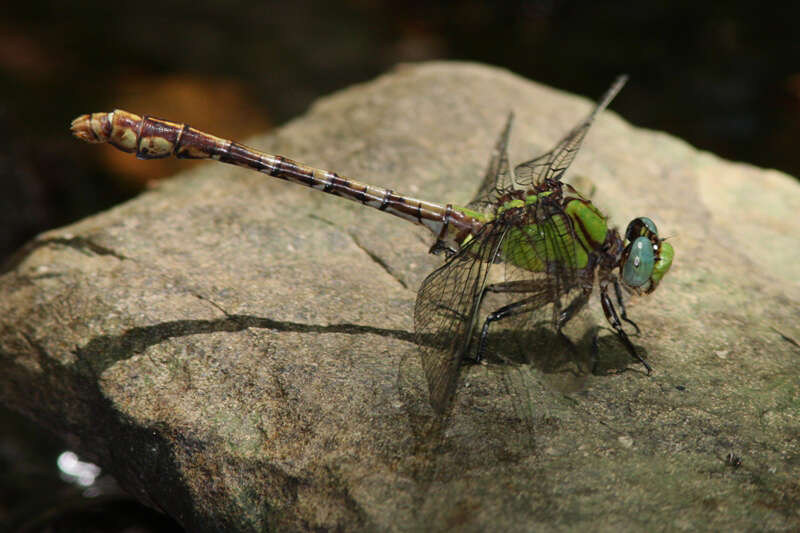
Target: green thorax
x=557, y=239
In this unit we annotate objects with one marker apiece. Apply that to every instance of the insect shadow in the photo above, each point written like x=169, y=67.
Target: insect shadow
x=551, y=352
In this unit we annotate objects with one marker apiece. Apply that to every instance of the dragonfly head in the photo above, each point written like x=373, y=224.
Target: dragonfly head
x=646, y=258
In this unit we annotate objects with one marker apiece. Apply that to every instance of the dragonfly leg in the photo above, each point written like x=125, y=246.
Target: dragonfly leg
x=613, y=319
x=622, y=313
x=566, y=315
x=512, y=309
x=573, y=308
x=519, y=307
x=506, y=311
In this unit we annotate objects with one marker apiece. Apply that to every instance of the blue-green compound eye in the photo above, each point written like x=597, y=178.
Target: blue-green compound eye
x=649, y=224
x=639, y=227
x=639, y=265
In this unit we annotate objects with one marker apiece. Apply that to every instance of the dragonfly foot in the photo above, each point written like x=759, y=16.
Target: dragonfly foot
x=649, y=369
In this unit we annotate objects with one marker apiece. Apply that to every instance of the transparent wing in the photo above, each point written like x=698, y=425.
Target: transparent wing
x=542, y=280
x=498, y=174
x=540, y=266
x=553, y=164
x=537, y=252
x=446, y=312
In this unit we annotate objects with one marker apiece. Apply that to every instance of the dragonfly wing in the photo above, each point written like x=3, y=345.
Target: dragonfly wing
x=446, y=312
x=553, y=164
x=498, y=175
x=541, y=280
x=541, y=273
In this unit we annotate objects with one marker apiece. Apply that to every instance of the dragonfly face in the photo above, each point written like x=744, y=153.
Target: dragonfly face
x=646, y=258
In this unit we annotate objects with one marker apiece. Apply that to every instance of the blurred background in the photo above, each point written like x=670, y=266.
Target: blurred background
x=724, y=76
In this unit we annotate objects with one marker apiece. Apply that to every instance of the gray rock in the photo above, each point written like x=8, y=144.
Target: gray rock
x=238, y=351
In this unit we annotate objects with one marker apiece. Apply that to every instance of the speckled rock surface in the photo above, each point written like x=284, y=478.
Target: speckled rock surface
x=238, y=351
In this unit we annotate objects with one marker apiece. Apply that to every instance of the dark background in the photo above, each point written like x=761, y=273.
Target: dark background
x=723, y=76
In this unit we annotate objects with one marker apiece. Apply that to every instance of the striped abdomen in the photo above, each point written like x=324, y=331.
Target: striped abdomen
x=150, y=137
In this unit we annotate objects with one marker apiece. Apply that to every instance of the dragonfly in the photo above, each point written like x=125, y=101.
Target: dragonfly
x=527, y=237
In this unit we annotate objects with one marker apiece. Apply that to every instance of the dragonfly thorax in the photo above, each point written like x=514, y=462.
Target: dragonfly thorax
x=545, y=231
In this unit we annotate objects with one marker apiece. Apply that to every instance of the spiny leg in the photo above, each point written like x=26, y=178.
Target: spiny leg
x=525, y=305
x=516, y=308
x=613, y=319
x=622, y=313
x=506, y=311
